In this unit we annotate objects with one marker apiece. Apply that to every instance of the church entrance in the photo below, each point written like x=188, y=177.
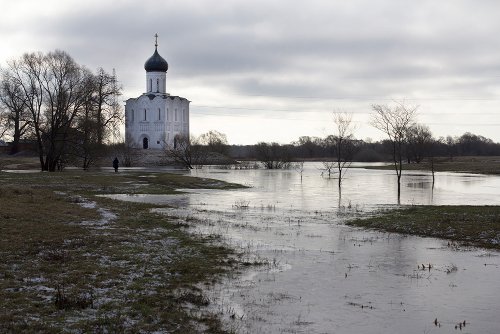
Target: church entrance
x=145, y=143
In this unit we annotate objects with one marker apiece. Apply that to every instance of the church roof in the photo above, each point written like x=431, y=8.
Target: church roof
x=156, y=63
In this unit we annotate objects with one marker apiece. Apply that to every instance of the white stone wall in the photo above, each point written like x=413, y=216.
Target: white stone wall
x=156, y=117
x=156, y=82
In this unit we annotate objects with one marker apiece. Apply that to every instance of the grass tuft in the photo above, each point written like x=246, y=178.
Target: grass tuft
x=472, y=225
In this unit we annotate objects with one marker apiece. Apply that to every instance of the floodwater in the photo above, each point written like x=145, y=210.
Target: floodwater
x=321, y=276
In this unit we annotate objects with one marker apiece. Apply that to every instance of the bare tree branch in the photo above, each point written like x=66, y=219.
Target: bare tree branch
x=395, y=121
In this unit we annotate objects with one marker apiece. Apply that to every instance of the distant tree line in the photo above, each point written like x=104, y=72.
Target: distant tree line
x=66, y=109
x=414, y=149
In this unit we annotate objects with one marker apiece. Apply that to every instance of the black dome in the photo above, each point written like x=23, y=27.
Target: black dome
x=156, y=63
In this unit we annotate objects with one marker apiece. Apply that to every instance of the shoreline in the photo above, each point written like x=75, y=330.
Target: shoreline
x=477, y=226
x=488, y=165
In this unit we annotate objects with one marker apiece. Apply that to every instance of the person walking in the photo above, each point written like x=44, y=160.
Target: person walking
x=115, y=164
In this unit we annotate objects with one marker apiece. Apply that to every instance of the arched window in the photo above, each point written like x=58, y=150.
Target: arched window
x=157, y=85
x=159, y=114
x=150, y=85
x=145, y=115
x=145, y=143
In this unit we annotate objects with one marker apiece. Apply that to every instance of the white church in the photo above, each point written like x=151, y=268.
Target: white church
x=155, y=119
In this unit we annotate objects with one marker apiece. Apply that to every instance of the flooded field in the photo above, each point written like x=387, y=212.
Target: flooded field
x=320, y=276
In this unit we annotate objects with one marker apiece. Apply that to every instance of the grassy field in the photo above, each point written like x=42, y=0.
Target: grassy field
x=476, y=164
x=75, y=262
x=471, y=225
x=472, y=164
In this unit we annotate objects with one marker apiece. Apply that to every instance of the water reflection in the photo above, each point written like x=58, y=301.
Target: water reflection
x=325, y=277
x=366, y=187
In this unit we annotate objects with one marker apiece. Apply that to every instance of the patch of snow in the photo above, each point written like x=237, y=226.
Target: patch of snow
x=34, y=280
x=106, y=215
x=88, y=204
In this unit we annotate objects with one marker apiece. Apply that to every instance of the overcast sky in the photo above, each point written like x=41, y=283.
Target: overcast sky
x=276, y=70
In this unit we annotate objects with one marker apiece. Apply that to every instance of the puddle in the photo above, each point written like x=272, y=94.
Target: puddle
x=171, y=200
x=321, y=276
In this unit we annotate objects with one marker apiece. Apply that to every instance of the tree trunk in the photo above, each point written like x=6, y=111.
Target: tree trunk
x=17, y=137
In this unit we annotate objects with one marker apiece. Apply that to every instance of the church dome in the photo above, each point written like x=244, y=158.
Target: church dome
x=156, y=63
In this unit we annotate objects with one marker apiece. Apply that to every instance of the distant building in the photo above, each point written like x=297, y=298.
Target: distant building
x=156, y=118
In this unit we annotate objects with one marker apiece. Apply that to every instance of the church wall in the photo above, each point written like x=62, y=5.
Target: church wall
x=155, y=118
x=156, y=82
x=159, y=119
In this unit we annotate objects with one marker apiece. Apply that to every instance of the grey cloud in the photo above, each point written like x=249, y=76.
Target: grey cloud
x=289, y=48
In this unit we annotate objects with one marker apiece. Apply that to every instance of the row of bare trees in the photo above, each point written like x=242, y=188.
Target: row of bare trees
x=407, y=139
x=64, y=107
x=198, y=150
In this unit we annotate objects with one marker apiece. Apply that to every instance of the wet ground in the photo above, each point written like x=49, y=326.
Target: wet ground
x=320, y=276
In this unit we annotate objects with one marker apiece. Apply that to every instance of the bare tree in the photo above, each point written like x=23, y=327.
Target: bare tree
x=4, y=126
x=215, y=142
x=418, y=138
x=451, y=146
x=187, y=152
x=127, y=155
x=99, y=117
x=395, y=121
x=108, y=115
x=299, y=168
x=82, y=143
x=342, y=142
x=26, y=74
x=328, y=167
x=272, y=155
x=421, y=144
x=308, y=146
x=64, y=89
x=68, y=108
x=431, y=152
x=14, y=111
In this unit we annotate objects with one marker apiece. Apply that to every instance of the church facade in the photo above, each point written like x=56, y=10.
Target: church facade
x=156, y=119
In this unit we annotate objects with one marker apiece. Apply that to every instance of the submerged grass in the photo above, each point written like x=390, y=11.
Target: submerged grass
x=473, y=225
x=75, y=262
x=466, y=164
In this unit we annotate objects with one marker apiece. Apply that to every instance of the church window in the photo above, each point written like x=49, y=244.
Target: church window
x=175, y=115
x=150, y=85
x=166, y=115
x=145, y=115
x=132, y=115
x=159, y=114
x=157, y=85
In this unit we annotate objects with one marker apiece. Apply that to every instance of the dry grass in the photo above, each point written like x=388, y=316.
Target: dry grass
x=18, y=162
x=473, y=225
x=70, y=265
x=476, y=164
